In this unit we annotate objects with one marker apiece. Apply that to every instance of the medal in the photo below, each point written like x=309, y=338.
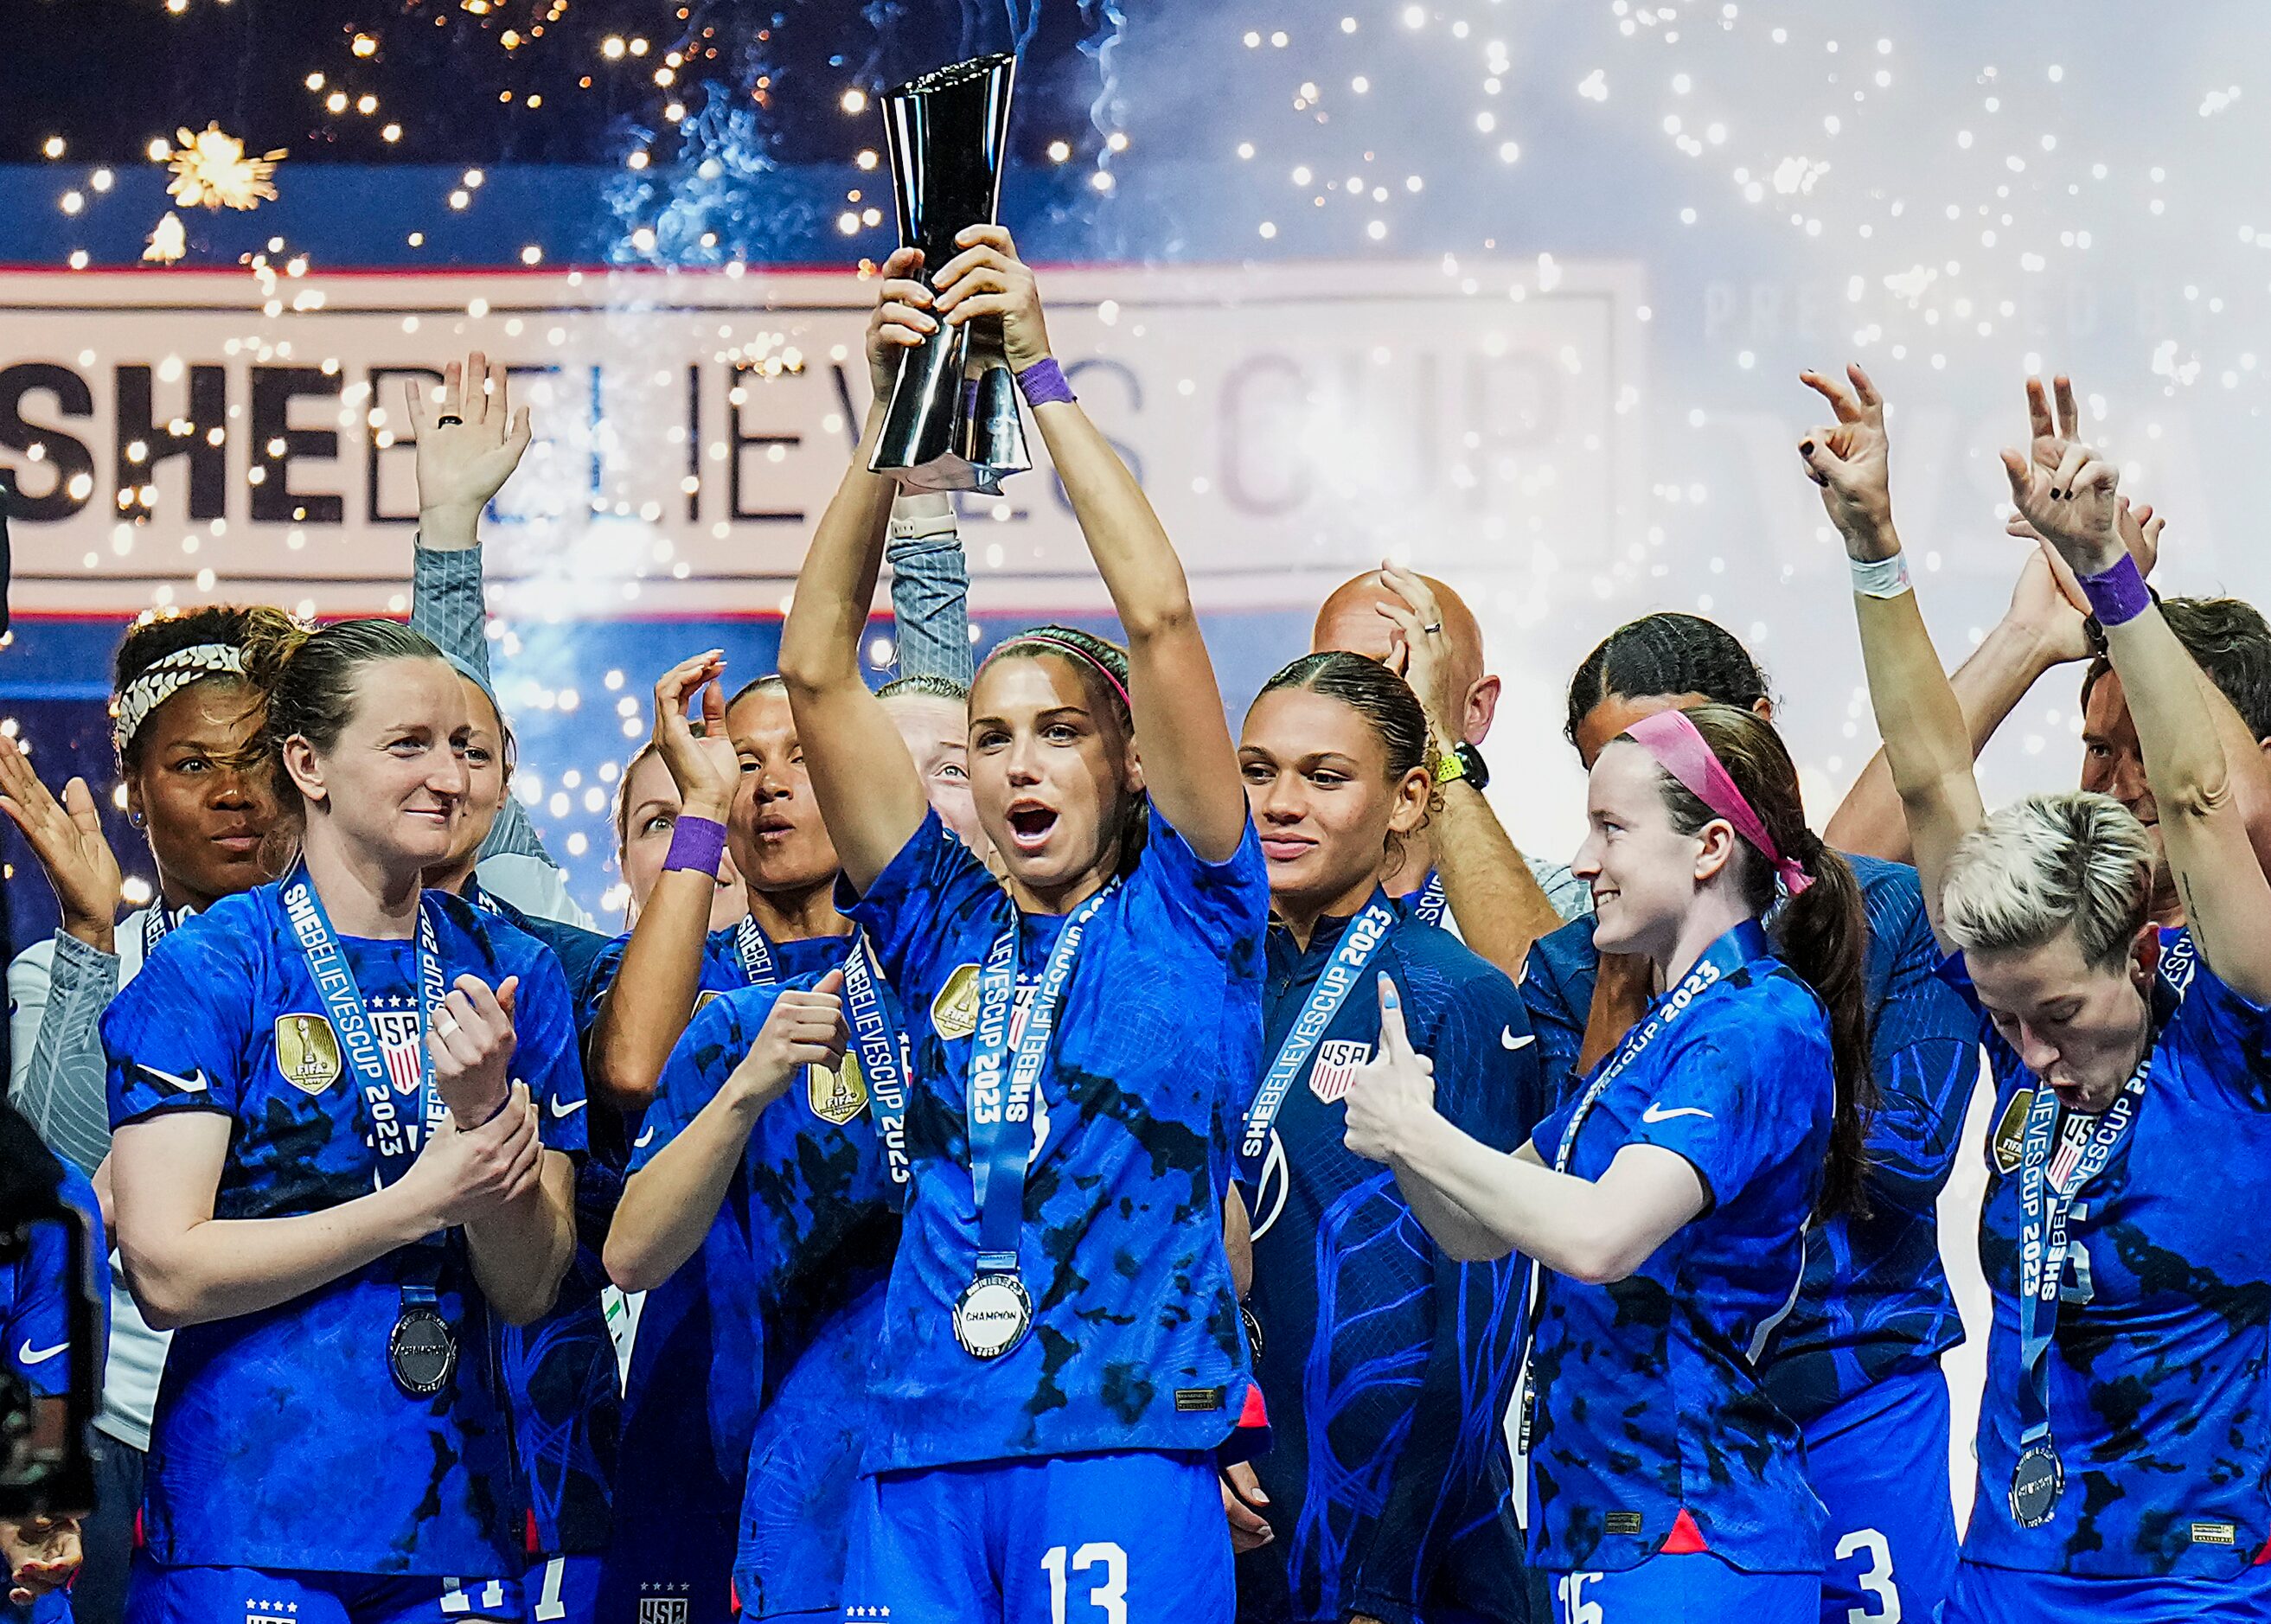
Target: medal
x=421, y=1351
x=2036, y=1482
x=992, y=1316
x=1252, y=1333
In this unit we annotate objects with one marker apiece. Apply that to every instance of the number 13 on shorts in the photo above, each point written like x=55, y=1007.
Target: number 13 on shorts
x=1104, y=1566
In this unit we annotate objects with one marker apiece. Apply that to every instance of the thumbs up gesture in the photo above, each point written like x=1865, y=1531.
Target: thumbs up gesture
x=1393, y=1090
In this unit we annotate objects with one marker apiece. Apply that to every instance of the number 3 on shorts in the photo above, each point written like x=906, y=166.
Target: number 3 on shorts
x=1107, y=1594
x=1876, y=1581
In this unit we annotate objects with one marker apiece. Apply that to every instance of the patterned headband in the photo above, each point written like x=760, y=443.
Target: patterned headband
x=1681, y=750
x=165, y=679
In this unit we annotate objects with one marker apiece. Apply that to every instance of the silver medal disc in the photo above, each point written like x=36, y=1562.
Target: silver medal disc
x=2036, y=1482
x=992, y=1316
x=422, y=1352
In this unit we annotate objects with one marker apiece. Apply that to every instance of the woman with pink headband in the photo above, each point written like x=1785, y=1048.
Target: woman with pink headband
x=1665, y=1203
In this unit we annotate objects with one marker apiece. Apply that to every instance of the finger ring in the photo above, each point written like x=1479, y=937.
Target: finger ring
x=449, y=421
x=1434, y=626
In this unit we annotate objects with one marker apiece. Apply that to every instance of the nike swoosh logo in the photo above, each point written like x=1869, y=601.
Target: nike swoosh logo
x=29, y=1355
x=644, y=1139
x=194, y=1084
x=1507, y=1041
x=560, y=1108
x=1657, y=1114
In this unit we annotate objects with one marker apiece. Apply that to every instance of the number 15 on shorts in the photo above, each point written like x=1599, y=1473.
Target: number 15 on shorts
x=1103, y=1566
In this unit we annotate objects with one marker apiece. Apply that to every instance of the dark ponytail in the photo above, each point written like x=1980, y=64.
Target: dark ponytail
x=1664, y=654
x=1822, y=933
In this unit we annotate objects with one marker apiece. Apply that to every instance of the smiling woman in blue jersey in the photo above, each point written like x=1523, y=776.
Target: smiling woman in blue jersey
x=1061, y=1352
x=337, y=1104
x=1667, y=1203
x=2125, y=1436
x=1388, y=1365
x=1856, y=1364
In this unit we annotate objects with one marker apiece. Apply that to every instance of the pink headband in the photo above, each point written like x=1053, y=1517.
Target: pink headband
x=1057, y=645
x=1680, y=750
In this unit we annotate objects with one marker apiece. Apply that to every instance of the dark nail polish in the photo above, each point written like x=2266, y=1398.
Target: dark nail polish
x=1806, y=447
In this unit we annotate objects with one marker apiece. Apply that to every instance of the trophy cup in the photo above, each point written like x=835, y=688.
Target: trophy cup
x=953, y=421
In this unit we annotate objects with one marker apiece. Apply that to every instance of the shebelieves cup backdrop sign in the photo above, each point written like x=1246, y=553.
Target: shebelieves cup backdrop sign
x=201, y=437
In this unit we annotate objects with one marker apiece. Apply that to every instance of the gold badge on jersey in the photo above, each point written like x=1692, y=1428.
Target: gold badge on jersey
x=836, y=1094
x=2009, y=1142
x=702, y=999
x=307, y=1052
x=953, y=1012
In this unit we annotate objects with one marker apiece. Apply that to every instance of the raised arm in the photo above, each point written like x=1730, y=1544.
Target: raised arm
x=1190, y=765
x=651, y=997
x=870, y=795
x=1500, y=908
x=2042, y=628
x=930, y=589
x=462, y=465
x=1927, y=743
x=2072, y=500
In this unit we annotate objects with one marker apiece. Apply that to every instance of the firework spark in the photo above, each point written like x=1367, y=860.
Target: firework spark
x=212, y=170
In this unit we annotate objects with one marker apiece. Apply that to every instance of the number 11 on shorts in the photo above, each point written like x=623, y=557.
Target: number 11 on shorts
x=1107, y=1593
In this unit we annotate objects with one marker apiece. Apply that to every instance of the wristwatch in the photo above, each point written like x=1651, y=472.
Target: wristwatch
x=1462, y=760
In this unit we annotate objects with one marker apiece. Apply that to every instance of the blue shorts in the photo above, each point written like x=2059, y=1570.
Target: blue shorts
x=1879, y=1461
x=1131, y=1538
x=1986, y=1595
x=160, y=1594
x=563, y=1589
x=1696, y=1589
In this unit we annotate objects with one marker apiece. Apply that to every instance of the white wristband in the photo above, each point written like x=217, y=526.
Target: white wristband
x=1880, y=577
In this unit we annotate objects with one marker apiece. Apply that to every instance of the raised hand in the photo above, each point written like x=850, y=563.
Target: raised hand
x=800, y=1030
x=1392, y=1090
x=987, y=279
x=902, y=318
x=2047, y=601
x=469, y=442
x=1848, y=459
x=472, y=1042
x=705, y=769
x=1422, y=653
x=68, y=840
x=2063, y=489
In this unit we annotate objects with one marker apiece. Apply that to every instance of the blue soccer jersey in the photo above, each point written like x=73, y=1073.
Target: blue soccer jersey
x=809, y=1210
x=1649, y=1398
x=281, y=1439
x=2156, y=1374
x=1135, y=1340
x=36, y=1292
x=690, y=1394
x=1875, y=1300
x=1386, y=1365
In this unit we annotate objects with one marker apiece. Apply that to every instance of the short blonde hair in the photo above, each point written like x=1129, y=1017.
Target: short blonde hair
x=2047, y=863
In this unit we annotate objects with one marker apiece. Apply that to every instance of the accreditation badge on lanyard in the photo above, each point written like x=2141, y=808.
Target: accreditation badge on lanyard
x=994, y=1311
x=1359, y=945
x=2038, y=1480
x=421, y=1351
x=1746, y=942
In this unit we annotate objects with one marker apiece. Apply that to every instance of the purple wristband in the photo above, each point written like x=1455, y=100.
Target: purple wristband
x=1044, y=382
x=696, y=843
x=2118, y=594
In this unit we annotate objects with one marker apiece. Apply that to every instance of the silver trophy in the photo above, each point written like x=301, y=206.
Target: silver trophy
x=953, y=421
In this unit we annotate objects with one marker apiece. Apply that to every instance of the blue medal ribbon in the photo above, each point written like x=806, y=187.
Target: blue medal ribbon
x=1721, y=959
x=1000, y=1109
x=2043, y=1239
x=1359, y=944
x=885, y=1061
x=754, y=952
x=395, y=1141
x=1432, y=902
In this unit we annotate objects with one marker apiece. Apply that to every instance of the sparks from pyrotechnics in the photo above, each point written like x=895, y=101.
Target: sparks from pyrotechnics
x=211, y=169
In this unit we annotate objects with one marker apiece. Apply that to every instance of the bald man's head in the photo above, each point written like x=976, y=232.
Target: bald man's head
x=1350, y=620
